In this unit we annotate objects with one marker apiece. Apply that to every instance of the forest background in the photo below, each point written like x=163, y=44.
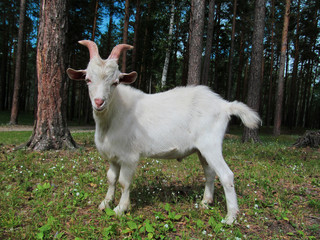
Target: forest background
x=160, y=33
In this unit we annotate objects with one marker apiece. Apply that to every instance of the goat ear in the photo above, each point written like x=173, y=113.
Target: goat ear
x=128, y=78
x=76, y=74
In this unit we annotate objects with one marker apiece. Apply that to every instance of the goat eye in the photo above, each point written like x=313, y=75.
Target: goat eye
x=88, y=81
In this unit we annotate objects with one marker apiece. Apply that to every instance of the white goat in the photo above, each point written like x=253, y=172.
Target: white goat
x=171, y=125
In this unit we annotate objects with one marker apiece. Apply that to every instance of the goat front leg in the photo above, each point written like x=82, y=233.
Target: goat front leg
x=113, y=175
x=125, y=178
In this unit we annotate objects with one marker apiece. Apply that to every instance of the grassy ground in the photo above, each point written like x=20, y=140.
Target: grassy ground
x=55, y=194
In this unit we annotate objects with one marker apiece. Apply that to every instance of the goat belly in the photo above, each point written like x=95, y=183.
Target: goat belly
x=172, y=154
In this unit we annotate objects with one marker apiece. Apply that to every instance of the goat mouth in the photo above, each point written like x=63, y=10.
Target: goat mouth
x=99, y=109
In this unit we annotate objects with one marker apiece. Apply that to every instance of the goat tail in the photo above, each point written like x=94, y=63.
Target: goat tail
x=249, y=117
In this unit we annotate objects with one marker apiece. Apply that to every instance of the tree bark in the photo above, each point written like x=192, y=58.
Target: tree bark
x=293, y=88
x=4, y=62
x=96, y=5
x=136, y=34
x=125, y=34
x=254, y=84
x=271, y=68
x=231, y=50
x=17, y=80
x=168, y=50
x=195, y=48
x=279, y=99
x=50, y=128
x=207, y=55
x=110, y=27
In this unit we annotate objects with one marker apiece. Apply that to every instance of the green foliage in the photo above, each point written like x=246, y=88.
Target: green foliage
x=55, y=195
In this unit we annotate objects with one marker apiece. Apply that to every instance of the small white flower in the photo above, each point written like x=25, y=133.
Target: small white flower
x=248, y=226
x=204, y=232
x=77, y=193
x=166, y=226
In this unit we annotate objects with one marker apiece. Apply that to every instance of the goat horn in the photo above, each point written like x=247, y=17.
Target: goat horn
x=116, y=51
x=93, y=49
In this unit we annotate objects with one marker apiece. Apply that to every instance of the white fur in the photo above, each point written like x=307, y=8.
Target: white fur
x=170, y=125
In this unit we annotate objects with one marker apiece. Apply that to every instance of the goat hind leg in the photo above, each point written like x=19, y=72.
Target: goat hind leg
x=209, y=185
x=217, y=163
x=113, y=175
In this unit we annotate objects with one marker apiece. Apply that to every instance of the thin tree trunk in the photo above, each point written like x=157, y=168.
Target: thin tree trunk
x=254, y=84
x=240, y=67
x=207, y=55
x=136, y=34
x=144, y=54
x=110, y=28
x=293, y=96
x=195, y=48
x=4, y=64
x=125, y=34
x=95, y=20
x=17, y=80
x=50, y=128
x=245, y=82
x=231, y=50
x=186, y=44
x=167, y=58
x=279, y=99
x=216, y=83
x=268, y=115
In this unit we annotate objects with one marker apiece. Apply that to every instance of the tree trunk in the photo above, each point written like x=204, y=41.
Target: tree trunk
x=167, y=59
x=254, y=84
x=136, y=34
x=17, y=80
x=268, y=118
x=279, y=99
x=95, y=20
x=195, y=48
x=231, y=50
x=216, y=83
x=50, y=128
x=125, y=34
x=110, y=28
x=207, y=55
x=4, y=63
x=240, y=67
x=293, y=89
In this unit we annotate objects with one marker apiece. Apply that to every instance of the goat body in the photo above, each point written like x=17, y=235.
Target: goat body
x=171, y=125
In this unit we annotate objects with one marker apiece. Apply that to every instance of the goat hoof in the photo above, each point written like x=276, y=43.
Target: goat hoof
x=118, y=211
x=229, y=220
x=206, y=203
x=103, y=205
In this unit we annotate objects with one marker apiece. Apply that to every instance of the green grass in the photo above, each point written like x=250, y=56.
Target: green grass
x=55, y=194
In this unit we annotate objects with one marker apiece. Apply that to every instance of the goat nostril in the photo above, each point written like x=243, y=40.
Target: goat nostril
x=98, y=102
